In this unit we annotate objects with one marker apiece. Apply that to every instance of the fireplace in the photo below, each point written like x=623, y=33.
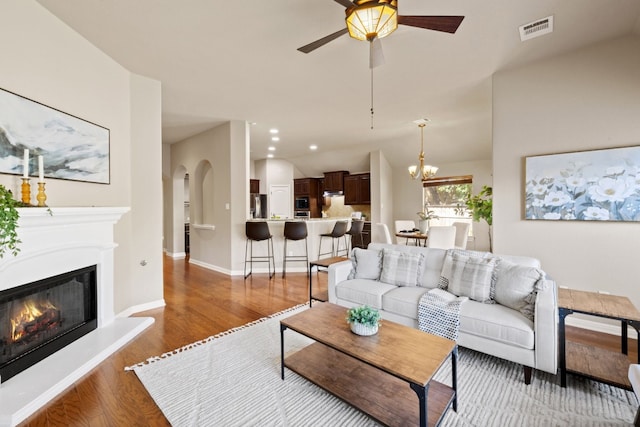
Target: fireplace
x=60, y=248
x=40, y=318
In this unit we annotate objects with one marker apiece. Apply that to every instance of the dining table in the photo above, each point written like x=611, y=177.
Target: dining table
x=419, y=238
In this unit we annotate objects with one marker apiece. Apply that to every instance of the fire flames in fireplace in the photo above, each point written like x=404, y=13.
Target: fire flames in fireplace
x=34, y=318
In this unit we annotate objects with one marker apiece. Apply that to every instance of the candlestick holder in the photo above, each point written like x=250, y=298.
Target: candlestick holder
x=26, y=191
x=41, y=197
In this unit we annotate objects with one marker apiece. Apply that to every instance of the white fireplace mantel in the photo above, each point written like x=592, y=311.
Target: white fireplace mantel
x=55, y=241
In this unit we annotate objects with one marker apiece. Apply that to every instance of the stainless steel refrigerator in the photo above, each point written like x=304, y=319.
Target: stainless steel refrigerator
x=258, y=205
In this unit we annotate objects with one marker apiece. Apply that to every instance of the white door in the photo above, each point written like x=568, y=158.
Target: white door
x=280, y=201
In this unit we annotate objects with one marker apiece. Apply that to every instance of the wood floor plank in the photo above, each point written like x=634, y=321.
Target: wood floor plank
x=212, y=302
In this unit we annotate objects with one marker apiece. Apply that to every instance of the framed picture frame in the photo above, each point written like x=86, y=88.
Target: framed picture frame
x=596, y=185
x=72, y=148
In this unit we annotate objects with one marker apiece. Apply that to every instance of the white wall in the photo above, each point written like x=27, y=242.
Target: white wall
x=382, y=199
x=44, y=60
x=588, y=99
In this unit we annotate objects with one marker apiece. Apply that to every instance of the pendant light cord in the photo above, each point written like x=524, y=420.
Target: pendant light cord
x=372, y=98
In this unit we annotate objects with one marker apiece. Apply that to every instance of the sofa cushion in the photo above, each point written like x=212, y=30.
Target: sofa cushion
x=516, y=287
x=496, y=322
x=470, y=276
x=363, y=291
x=432, y=265
x=366, y=264
x=403, y=300
x=401, y=268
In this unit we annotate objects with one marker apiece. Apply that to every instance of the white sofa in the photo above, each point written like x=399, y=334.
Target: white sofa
x=491, y=328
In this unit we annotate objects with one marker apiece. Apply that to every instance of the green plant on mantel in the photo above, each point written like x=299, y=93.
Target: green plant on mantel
x=364, y=315
x=8, y=222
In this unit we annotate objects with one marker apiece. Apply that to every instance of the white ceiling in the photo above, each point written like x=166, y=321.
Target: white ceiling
x=237, y=60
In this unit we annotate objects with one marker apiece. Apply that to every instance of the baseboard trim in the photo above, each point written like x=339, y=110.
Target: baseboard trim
x=141, y=307
x=598, y=326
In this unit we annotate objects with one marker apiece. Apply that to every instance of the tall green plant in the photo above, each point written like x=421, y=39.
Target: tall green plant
x=8, y=223
x=480, y=206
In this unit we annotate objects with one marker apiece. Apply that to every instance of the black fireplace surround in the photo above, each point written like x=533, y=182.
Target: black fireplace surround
x=40, y=318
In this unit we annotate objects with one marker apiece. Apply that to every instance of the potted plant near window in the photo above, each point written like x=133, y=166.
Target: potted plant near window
x=364, y=320
x=8, y=222
x=480, y=207
x=425, y=216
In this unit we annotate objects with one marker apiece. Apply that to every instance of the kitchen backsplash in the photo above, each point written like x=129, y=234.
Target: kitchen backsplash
x=339, y=209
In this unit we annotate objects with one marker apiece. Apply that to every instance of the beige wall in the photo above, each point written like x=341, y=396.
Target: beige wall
x=588, y=99
x=44, y=60
x=222, y=146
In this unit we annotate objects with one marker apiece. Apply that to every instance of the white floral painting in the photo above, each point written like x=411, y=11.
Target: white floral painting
x=600, y=185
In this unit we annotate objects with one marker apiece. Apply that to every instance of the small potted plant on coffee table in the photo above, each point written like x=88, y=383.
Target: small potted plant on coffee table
x=364, y=320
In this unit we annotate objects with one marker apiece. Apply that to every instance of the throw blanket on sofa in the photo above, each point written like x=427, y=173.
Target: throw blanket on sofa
x=439, y=313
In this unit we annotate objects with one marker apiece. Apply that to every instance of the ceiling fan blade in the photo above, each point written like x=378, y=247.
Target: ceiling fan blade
x=447, y=24
x=345, y=3
x=376, y=55
x=321, y=42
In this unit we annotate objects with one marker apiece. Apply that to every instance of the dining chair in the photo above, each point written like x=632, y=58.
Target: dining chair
x=404, y=225
x=442, y=237
x=462, y=234
x=383, y=231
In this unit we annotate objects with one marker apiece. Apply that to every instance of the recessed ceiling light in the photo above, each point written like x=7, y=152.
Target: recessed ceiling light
x=272, y=148
x=275, y=138
x=313, y=147
x=273, y=131
x=270, y=156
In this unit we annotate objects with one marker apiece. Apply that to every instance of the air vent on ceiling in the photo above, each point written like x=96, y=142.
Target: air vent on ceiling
x=536, y=28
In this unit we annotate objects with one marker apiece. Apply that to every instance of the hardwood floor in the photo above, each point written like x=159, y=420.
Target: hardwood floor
x=200, y=303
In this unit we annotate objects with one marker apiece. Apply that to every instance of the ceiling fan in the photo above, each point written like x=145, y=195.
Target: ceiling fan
x=371, y=20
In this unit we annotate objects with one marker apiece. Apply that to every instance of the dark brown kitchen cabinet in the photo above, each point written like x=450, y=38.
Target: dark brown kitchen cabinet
x=254, y=186
x=357, y=189
x=334, y=181
x=312, y=190
x=302, y=186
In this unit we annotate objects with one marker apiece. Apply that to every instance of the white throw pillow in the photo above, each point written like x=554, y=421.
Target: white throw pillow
x=516, y=287
x=401, y=268
x=366, y=264
x=470, y=276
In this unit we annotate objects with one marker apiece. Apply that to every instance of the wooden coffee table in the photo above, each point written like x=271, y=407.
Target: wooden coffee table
x=371, y=373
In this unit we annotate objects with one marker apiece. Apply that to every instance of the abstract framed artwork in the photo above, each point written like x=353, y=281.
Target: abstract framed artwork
x=597, y=185
x=72, y=148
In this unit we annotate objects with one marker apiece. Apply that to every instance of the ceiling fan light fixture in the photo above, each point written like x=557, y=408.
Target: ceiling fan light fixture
x=368, y=19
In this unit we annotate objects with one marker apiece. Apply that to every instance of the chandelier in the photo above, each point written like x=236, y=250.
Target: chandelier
x=423, y=171
x=370, y=19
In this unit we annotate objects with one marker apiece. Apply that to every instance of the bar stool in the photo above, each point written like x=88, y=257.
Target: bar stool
x=339, y=231
x=258, y=231
x=356, y=231
x=295, y=230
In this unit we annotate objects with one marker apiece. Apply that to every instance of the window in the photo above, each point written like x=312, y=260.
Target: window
x=446, y=198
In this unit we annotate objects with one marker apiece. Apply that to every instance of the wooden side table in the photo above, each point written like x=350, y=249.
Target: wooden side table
x=321, y=263
x=592, y=362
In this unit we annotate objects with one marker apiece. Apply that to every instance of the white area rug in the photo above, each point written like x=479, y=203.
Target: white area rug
x=233, y=379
